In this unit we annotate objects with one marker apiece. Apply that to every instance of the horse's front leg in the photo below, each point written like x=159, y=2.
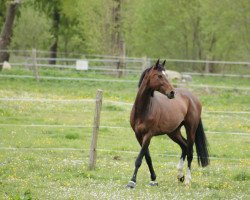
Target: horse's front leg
x=138, y=161
x=151, y=169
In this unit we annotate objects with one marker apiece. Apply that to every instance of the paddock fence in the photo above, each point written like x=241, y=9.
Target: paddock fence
x=37, y=60
x=36, y=64
x=85, y=124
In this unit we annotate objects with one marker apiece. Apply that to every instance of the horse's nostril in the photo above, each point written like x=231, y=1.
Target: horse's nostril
x=172, y=92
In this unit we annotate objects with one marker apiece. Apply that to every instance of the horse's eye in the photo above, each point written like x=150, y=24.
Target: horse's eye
x=159, y=76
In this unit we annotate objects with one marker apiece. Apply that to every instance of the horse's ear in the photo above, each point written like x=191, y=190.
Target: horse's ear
x=164, y=62
x=157, y=64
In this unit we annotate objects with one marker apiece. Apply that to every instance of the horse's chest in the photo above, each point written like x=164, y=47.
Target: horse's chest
x=142, y=126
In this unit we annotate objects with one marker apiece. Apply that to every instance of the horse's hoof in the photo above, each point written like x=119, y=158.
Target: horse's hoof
x=181, y=179
x=153, y=183
x=131, y=184
x=187, y=183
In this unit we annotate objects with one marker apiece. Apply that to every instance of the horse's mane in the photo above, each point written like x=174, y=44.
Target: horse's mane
x=143, y=75
x=159, y=68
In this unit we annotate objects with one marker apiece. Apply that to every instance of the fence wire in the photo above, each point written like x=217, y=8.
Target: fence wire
x=120, y=81
x=103, y=126
x=111, y=150
x=109, y=127
x=105, y=101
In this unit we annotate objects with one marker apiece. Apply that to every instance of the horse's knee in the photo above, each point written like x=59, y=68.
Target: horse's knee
x=190, y=157
x=138, y=162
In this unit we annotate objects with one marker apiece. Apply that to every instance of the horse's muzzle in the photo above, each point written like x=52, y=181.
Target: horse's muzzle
x=170, y=95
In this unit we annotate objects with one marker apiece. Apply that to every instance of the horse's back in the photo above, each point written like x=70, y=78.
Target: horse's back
x=194, y=104
x=183, y=101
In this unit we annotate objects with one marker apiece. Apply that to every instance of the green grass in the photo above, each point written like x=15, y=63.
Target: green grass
x=221, y=81
x=30, y=167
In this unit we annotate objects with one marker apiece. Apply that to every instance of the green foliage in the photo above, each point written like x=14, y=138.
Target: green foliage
x=95, y=23
x=72, y=136
x=31, y=30
x=189, y=29
x=196, y=29
x=25, y=196
x=2, y=11
x=113, y=108
x=242, y=176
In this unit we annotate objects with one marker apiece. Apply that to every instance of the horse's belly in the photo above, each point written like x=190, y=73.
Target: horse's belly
x=170, y=123
x=171, y=113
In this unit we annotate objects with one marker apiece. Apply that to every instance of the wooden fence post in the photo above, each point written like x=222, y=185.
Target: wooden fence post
x=92, y=156
x=34, y=65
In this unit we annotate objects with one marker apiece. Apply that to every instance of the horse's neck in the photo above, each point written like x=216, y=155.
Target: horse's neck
x=142, y=102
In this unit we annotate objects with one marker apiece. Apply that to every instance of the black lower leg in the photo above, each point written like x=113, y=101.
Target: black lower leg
x=184, y=153
x=137, y=166
x=190, y=156
x=150, y=165
x=138, y=163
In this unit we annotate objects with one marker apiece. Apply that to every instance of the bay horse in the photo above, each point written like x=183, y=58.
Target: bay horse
x=160, y=109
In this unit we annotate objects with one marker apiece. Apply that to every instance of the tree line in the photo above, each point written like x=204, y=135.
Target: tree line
x=193, y=29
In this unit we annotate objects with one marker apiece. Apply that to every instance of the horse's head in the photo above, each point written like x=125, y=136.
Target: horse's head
x=157, y=80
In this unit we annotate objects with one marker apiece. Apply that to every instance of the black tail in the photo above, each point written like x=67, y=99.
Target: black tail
x=201, y=146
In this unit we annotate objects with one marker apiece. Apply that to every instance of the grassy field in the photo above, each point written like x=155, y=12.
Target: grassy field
x=44, y=154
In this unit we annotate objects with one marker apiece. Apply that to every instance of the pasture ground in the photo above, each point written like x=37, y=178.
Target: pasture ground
x=48, y=159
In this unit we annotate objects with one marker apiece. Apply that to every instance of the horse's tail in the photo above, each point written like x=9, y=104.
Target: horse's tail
x=201, y=146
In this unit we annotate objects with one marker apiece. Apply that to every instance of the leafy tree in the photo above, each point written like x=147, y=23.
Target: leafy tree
x=53, y=9
x=195, y=29
x=32, y=29
x=65, y=25
x=2, y=11
x=6, y=33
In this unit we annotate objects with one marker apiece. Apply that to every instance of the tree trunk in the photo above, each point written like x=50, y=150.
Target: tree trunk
x=117, y=37
x=116, y=32
x=6, y=33
x=53, y=52
x=209, y=67
x=55, y=32
x=197, y=52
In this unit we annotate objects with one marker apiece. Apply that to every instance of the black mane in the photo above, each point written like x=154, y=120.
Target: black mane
x=143, y=75
x=159, y=68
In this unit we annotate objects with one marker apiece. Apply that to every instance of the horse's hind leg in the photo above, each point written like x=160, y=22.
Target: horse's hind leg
x=177, y=137
x=183, y=144
x=190, y=143
x=189, y=159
